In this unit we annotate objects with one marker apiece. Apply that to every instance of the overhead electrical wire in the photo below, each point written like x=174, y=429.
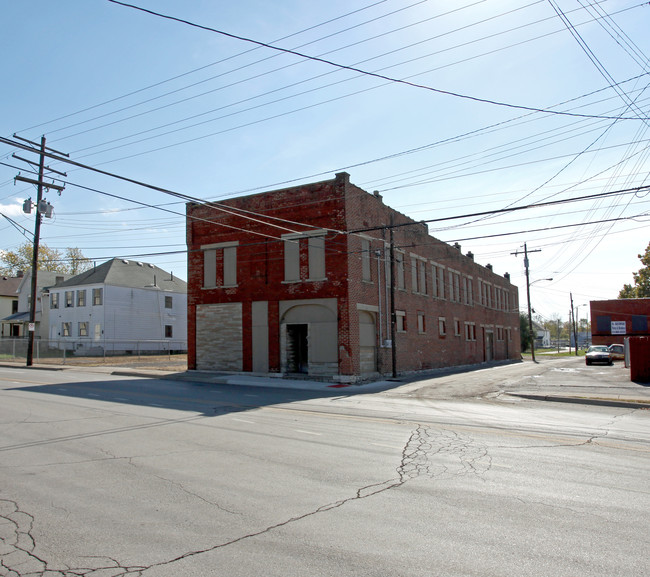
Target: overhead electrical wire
x=365, y=72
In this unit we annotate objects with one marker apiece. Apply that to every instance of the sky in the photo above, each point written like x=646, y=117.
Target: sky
x=447, y=109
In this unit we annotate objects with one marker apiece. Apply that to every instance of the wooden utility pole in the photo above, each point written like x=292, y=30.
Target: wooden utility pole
x=530, y=310
x=42, y=207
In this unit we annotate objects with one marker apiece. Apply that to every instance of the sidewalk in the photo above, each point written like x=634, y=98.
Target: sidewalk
x=618, y=391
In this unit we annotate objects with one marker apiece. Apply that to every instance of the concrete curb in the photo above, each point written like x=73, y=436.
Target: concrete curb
x=603, y=402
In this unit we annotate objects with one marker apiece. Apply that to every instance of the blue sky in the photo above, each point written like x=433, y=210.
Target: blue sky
x=210, y=116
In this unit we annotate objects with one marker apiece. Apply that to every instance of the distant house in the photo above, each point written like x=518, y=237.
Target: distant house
x=19, y=320
x=10, y=325
x=542, y=336
x=119, y=306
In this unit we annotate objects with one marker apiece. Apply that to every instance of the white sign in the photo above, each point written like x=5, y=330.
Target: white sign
x=32, y=327
x=618, y=327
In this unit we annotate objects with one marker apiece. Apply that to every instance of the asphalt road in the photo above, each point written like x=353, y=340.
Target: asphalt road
x=104, y=476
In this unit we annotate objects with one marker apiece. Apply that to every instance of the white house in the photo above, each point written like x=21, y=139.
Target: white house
x=44, y=279
x=119, y=306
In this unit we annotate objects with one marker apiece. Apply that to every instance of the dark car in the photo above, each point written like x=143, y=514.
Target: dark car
x=598, y=354
x=617, y=352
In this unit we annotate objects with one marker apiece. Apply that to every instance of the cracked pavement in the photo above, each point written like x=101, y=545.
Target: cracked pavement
x=281, y=483
x=420, y=458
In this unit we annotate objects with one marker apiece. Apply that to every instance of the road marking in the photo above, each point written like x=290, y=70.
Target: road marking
x=93, y=395
x=307, y=432
x=244, y=421
x=122, y=400
x=387, y=446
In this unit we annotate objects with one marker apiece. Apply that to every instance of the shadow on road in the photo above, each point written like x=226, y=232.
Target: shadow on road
x=206, y=398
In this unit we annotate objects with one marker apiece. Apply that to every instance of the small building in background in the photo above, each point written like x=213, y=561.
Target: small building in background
x=11, y=323
x=614, y=320
x=44, y=279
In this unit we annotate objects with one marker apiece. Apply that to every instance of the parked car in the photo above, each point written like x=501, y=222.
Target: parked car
x=617, y=352
x=598, y=354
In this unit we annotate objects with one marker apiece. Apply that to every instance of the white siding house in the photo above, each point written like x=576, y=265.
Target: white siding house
x=119, y=306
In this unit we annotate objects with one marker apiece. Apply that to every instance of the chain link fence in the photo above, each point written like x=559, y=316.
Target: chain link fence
x=93, y=352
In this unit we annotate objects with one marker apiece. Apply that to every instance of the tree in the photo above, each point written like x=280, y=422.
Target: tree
x=49, y=259
x=641, y=286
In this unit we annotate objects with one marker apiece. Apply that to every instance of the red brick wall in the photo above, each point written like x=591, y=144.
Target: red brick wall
x=337, y=205
x=622, y=310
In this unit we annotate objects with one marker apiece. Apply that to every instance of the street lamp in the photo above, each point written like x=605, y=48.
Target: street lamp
x=530, y=314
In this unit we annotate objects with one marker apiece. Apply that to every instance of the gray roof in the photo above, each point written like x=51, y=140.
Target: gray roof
x=127, y=273
x=9, y=286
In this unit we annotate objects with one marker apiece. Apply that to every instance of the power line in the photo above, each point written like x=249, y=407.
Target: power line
x=365, y=72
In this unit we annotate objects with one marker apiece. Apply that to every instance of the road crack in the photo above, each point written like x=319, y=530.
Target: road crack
x=428, y=453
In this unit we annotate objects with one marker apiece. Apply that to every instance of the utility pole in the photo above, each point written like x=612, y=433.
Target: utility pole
x=393, y=323
x=573, y=325
x=42, y=207
x=530, y=310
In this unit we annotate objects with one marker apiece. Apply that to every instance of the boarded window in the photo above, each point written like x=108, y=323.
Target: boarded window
x=291, y=259
x=220, y=265
x=365, y=260
x=316, y=257
x=230, y=266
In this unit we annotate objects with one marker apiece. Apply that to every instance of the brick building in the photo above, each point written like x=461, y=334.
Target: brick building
x=298, y=281
x=614, y=320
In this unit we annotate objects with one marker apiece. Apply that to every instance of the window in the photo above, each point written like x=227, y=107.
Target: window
x=414, y=275
x=316, y=253
x=422, y=276
x=292, y=259
x=456, y=327
x=418, y=275
x=437, y=281
x=69, y=299
x=54, y=301
x=399, y=265
x=65, y=329
x=220, y=264
x=421, y=323
x=365, y=260
x=603, y=324
x=81, y=298
x=98, y=296
x=442, y=326
x=499, y=333
x=168, y=302
x=168, y=331
x=470, y=331
x=14, y=307
x=83, y=329
x=315, y=256
x=400, y=320
x=639, y=323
